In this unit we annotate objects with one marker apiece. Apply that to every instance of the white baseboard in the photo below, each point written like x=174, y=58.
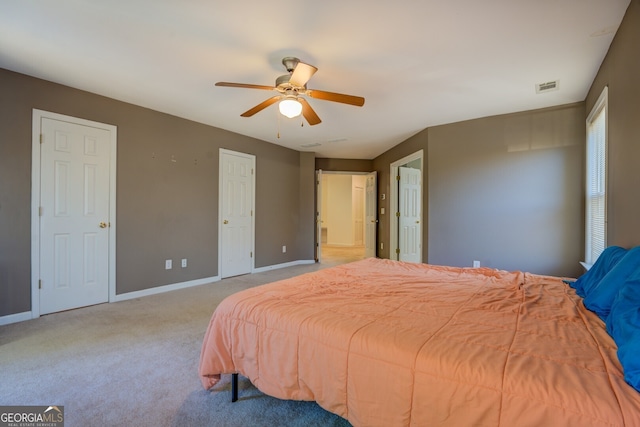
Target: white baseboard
x=283, y=265
x=198, y=282
x=15, y=318
x=165, y=288
x=27, y=315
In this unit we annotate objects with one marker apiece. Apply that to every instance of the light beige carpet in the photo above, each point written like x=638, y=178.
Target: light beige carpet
x=332, y=255
x=134, y=363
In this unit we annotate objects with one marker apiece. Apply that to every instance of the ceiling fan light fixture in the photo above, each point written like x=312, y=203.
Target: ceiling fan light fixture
x=292, y=92
x=290, y=107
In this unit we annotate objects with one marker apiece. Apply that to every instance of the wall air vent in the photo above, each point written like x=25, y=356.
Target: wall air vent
x=548, y=86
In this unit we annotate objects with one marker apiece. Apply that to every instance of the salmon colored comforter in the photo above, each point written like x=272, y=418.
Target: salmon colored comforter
x=386, y=343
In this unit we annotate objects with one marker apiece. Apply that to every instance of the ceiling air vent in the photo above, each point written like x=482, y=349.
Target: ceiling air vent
x=548, y=86
x=341, y=139
x=311, y=144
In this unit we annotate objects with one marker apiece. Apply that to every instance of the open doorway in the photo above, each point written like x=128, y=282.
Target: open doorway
x=346, y=229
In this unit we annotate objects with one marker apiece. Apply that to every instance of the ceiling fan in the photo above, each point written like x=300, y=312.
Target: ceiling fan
x=292, y=87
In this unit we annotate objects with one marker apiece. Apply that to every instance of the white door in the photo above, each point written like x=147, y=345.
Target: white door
x=410, y=203
x=74, y=215
x=319, y=215
x=371, y=221
x=236, y=213
x=357, y=212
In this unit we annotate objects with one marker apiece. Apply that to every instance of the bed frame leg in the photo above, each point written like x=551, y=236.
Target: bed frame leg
x=234, y=387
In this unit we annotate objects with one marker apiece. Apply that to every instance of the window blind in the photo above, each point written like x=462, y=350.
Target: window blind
x=596, y=201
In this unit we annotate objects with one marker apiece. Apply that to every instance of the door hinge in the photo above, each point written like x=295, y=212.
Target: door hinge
x=251, y=171
x=41, y=138
x=398, y=251
x=39, y=283
x=251, y=254
x=40, y=211
x=397, y=177
x=398, y=214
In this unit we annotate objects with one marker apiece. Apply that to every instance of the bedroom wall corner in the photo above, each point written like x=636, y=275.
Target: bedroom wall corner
x=382, y=165
x=278, y=215
x=167, y=184
x=619, y=71
x=507, y=190
x=306, y=233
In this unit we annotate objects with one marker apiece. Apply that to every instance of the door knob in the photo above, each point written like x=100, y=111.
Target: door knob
x=102, y=225
x=225, y=222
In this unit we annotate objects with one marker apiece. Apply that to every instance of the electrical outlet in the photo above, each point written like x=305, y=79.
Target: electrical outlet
x=476, y=264
x=184, y=263
x=167, y=265
x=284, y=249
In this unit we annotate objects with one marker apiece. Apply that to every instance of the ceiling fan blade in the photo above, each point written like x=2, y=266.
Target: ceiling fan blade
x=301, y=74
x=308, y=112
x=244, y=85
x=336, y=97
x=261, y=106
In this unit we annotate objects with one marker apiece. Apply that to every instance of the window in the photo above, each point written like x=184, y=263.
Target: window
x=596, y=185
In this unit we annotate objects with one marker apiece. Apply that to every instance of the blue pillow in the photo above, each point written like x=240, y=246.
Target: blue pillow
x=600, y=297
x=623, y=323
x=605, y=262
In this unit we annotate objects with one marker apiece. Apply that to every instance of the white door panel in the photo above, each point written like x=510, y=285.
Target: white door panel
x=74, y=200
x=319, y=215
x=358, y=215
x=236, y=213
x=410, y=203
x=371, y=221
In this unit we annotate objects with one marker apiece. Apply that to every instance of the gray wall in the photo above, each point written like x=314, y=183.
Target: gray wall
x=165, y=209
x=344, y=165
x=481, y=201
x=472, y=175
x=382, y=164
x=620, y=71
x=504, y=190
x=307, y=199
x=507, y=191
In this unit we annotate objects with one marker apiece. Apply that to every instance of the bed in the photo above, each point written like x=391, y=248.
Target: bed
x=387, y=343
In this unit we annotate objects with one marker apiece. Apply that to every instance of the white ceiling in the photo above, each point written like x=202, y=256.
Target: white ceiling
x=418, y=63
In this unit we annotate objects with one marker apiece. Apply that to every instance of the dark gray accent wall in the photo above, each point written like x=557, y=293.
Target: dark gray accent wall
x=620, y=71
x=165, y=209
